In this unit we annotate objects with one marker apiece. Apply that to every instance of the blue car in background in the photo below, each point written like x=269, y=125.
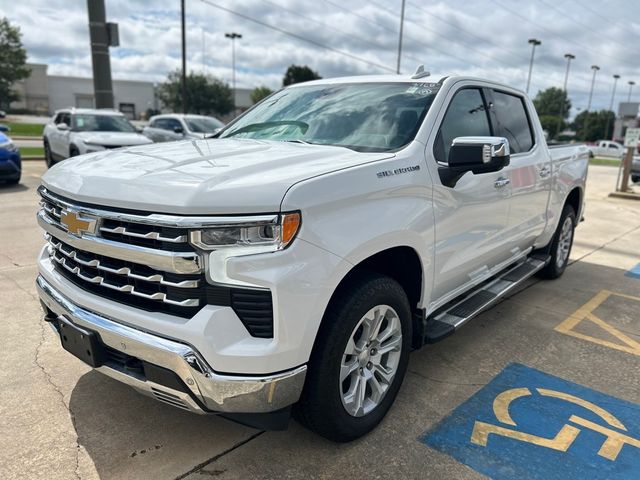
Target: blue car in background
x=10, y=164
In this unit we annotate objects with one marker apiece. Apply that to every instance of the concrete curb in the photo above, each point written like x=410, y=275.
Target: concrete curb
x=625, y=195
x=31, y=158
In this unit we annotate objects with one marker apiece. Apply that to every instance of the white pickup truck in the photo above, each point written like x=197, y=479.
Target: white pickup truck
x=293, y=262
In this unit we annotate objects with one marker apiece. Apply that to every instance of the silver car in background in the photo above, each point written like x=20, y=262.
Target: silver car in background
x=169, y=127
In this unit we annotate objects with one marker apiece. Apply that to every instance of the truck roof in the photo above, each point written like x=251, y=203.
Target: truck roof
x=405, y=78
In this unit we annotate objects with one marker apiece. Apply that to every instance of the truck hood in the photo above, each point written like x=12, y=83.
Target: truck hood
x=113, y=139
x=213, y=176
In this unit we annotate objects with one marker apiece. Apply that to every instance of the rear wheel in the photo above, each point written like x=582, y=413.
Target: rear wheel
x=73, y=151
x=561, y=244
x=635, y=178
x=359, y=360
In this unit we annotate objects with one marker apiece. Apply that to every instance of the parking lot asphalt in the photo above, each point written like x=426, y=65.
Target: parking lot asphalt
x=60, y=420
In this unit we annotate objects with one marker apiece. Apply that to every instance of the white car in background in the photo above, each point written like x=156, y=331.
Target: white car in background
x=607, y=148
x=173, y=126
x=76, y=131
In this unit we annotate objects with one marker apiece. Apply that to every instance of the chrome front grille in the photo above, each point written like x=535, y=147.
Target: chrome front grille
x=142, y=260
x=119, y=277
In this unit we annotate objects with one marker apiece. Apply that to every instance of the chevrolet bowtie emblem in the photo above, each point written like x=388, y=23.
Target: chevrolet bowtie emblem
x=76, y=224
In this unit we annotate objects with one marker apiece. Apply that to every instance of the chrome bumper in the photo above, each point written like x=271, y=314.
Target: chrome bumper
x=208, y=392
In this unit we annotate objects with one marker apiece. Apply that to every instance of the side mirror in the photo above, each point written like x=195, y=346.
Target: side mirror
x=177, y=129
x=4, y=128
x=63, y=127
x=474, y=154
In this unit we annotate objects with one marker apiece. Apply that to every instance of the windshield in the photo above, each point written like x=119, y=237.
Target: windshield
x=100, y=123
x=362, y=116
x=203, y=124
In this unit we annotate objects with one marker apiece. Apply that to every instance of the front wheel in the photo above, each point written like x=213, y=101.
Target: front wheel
x=48, y=156
x=561, y=244
x=359, y=360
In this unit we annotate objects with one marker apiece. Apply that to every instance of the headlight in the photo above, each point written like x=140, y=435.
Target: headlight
x=264, y=235
x=9, y=146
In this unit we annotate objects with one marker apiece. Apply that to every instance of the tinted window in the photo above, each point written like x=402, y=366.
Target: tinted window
x=465, y=117
x=65, y=118
x=167, y=124
x=512, y=121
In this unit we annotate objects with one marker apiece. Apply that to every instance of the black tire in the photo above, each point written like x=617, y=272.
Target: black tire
x=635, y=178
x=73, y=151
x=321, y=407
x=558, y=262
x=48, y=157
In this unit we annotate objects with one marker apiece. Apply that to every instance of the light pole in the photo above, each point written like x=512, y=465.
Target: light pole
x=534, y=42
x=233, y=36
x=595, y=69
x=569, y=57
x=613, y=94
x=184, y=60
x=631, y=84
x=400, y=39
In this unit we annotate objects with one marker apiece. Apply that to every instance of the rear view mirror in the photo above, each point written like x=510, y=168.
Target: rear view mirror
x=177, y=129
x=63, y=126
x=474, y=154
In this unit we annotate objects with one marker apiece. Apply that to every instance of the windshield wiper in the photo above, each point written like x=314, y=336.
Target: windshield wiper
x=255, y=127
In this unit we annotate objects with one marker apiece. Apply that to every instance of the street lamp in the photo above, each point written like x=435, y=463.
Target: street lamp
x=631, y=84
x=595, y=69
x=233, y=36
x=613, y=94
x=534, y=42
x=569, y=57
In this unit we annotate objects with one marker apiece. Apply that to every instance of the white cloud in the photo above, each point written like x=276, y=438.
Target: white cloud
x=457, y=36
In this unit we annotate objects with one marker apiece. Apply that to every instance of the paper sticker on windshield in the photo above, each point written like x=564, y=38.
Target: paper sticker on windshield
x=422, y=88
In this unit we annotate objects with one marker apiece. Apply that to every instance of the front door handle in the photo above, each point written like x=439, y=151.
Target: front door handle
x=501, y=182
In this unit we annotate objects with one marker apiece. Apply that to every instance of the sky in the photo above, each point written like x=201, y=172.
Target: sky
x=485, y=38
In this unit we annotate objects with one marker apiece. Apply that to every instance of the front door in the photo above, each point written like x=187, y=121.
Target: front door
x=470, y=218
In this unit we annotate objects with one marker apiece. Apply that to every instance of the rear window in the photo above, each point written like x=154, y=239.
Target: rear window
x=513, y=123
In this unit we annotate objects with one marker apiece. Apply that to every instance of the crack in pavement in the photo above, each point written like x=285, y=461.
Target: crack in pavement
x=447, y=382
x=47, y=376
x=200, y=466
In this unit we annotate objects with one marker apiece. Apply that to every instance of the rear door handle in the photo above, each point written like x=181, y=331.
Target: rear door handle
x=545, y=171
x=501, y=182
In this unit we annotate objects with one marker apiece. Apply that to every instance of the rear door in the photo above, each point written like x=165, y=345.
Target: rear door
x=471, y=218
x=529, y=171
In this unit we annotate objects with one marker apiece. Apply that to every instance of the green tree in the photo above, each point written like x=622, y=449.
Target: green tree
x=550, y=102
x=299, y=73
x=13, y=58
x=553, y=124
x=259, y=93
x=591, y=126
x=205, y=95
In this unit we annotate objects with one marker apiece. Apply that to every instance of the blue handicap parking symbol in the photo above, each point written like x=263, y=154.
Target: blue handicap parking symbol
x=634, y=272
x=528, y=424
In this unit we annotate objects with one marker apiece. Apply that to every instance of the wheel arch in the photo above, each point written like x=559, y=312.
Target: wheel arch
x=575, y=200
x=403, y=264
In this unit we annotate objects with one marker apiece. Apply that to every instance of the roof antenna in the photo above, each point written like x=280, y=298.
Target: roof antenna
x=420, y=72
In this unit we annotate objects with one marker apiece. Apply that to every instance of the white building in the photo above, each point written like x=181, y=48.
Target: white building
x=43, y=94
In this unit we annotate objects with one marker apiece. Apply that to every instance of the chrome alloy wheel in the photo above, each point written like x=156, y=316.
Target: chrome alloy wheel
x=370, y=360
x=564, y=242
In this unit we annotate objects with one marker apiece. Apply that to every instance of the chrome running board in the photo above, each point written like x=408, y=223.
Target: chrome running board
x=455, y=314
